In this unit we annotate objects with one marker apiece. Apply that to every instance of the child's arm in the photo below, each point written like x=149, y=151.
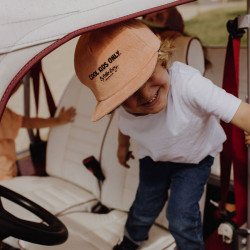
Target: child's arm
x=247, y=138
x=123, y=153
x=64, y=117
x=241, y=118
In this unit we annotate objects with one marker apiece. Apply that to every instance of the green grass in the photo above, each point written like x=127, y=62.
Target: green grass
x=210, y=26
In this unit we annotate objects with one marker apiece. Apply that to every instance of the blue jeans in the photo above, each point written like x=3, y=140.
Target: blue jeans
x=187, y=186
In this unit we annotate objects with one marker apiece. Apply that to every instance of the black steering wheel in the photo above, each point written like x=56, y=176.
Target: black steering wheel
x=50, y=231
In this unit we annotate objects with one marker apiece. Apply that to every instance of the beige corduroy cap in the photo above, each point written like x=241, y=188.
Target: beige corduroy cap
x=115, y=61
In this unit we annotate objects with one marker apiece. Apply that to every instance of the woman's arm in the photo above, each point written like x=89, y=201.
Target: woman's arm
x=64, y=117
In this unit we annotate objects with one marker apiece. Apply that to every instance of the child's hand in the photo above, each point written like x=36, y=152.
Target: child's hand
x=247, y=138
x=66, y=116
x=123, y=155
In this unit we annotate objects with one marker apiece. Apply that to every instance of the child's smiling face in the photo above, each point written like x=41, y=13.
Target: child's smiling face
x=151, y=98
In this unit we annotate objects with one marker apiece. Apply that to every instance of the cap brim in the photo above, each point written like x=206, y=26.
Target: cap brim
x=105, y=107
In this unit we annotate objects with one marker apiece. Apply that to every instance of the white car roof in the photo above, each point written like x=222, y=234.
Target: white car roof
x=30, y=29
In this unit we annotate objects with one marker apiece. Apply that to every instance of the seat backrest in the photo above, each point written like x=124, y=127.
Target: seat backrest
x=119, y=187
x=69, y=144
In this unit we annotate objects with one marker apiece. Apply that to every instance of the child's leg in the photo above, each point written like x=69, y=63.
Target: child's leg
x=183, y=207
x=151, y=196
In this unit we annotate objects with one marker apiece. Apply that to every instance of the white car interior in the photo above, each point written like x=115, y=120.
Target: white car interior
x=71, y=190
x=94, y=212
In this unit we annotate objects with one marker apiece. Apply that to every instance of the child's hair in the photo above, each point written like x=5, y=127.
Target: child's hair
x=165, y=52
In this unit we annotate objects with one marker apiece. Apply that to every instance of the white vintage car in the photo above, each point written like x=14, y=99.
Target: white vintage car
x=91, y=212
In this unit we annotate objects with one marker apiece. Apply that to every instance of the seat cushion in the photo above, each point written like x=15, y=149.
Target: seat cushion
x=101, y=231
x=53, y=194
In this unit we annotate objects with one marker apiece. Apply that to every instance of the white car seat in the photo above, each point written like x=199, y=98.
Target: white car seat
x=69, y=184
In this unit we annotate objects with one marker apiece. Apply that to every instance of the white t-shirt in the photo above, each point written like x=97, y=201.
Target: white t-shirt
x=187, y=130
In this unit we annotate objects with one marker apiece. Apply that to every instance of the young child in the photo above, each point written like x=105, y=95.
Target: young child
x=9, y=127
x=171, y=111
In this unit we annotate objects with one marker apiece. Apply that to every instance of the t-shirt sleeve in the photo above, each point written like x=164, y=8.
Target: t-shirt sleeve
x=203, y=95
